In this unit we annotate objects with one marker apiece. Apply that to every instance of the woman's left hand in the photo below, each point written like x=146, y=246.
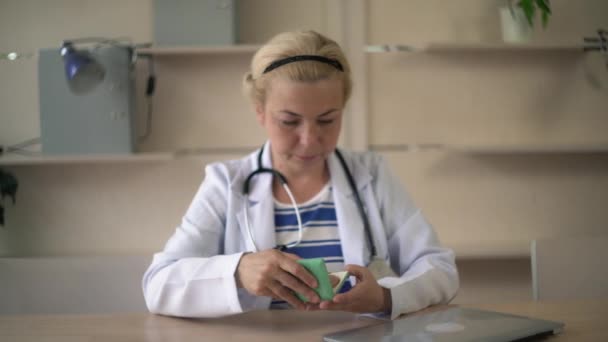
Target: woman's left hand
x=365, y=296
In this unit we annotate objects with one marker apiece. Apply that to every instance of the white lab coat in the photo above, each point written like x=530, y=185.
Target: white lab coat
x=194, y=276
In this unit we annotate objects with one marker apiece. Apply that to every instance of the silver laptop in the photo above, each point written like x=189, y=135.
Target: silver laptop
x=452, y=324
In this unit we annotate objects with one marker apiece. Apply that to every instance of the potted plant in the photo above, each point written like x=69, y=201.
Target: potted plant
x=8, y=187
x=519, y=16
x=529, y=7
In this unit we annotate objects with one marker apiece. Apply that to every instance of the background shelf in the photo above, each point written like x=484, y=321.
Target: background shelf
x=497, y=249
x=15, y=159
x=199, y=50
x=492, y=149
x=474, y=47
x=530, y=149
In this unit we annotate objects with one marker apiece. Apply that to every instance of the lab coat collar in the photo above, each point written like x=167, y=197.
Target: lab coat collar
x=261, y=185
x=259, y=204
x=351, y=227
x=339, y=180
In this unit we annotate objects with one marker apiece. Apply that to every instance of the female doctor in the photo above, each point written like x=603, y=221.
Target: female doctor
x=237, y=245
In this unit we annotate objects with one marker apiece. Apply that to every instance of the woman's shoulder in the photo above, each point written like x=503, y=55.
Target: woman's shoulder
x=369, y=160
x=230, y=168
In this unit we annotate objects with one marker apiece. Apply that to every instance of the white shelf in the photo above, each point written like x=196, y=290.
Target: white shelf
x=530, y=149
x=492, y=149
x=474, y=47
x=391, y=48
x=407, y=147
x=199, y=50
x=18, y=159
x=13, y=159
x=491, y=249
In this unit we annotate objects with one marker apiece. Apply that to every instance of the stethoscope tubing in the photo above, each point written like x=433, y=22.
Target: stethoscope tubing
x=283, y=181
x=298, y=218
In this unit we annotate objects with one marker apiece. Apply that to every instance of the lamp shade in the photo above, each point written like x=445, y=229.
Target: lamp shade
x=83, y=72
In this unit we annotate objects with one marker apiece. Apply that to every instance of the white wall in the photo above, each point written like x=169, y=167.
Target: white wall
x=493, y=203
x=126, y=208
x=483, y=205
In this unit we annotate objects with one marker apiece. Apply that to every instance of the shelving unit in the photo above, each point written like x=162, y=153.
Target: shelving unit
x=10, y=159
x=571, y=49
x=441, y=47
x=15, y=159
x=198, y=50
x=143, y=157
x=489, y=149
x=492, y=149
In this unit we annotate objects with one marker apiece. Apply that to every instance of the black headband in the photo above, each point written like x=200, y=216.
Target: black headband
x=298, y=58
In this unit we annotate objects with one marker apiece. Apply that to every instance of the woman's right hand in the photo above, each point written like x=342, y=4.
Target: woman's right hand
x=276, y=274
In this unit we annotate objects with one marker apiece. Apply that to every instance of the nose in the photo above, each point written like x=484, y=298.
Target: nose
x=310, y=134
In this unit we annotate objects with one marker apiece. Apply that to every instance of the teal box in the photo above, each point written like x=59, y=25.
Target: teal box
x=194, y=22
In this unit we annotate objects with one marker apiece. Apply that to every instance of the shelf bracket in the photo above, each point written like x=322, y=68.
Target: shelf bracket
x=598, y=43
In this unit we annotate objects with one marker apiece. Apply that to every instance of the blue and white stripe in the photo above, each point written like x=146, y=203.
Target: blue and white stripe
x=320, y=236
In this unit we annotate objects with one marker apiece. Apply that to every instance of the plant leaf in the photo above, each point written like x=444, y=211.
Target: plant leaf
x=544, y=6
x=529, y=10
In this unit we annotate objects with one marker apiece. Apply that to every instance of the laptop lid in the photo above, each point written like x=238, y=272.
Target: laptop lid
x=452, y=324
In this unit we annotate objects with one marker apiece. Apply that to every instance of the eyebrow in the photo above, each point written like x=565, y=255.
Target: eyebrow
x=300, y=115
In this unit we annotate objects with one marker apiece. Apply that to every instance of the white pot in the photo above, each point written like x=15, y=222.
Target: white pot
x=515, y=27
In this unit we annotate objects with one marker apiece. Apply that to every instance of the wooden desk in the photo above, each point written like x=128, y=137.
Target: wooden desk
x=585, y=321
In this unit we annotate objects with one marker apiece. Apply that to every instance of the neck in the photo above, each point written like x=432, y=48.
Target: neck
x=304, y=184
x=302, y=188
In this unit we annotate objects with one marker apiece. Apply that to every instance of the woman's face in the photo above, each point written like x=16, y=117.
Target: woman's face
x=303, y=121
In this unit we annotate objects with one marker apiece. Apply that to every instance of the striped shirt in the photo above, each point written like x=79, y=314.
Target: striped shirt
x=320, y=236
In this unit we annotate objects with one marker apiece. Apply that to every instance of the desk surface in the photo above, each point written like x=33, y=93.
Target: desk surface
x=585, y=321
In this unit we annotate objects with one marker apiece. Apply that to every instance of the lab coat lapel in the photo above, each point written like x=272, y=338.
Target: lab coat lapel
x=259, y=205
x=350, y=224
x=261, y=221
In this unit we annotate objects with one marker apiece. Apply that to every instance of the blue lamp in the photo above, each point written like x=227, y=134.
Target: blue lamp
x=82, y=71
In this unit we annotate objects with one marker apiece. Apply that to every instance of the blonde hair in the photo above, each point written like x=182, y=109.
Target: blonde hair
x=288, y=44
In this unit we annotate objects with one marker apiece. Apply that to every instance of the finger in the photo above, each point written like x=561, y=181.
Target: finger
x=359, y=272
x=285, y=294
x=294, y=284
x=330, y=305
x=346, y=297
x=363, y=275
x=345, y=300
x=266, y=293
x=312, y=307
x=298, y=271
x=293, y=257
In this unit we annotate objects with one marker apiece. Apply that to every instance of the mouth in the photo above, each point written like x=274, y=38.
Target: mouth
x=307, y=157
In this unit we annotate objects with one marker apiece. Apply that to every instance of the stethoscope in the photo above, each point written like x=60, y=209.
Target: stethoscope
x=283, y=182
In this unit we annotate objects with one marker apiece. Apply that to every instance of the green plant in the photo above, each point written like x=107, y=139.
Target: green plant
x=530, y=7
x=8, y=187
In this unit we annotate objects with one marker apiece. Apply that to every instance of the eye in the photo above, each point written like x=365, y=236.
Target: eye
x=290, y=122
x=325, y=122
